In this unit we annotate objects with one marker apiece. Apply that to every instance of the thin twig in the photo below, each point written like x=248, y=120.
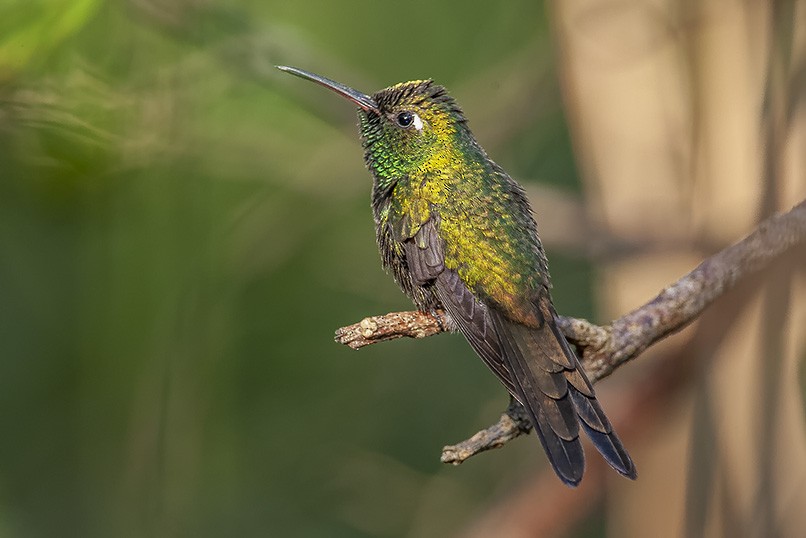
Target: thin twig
x=603, y=349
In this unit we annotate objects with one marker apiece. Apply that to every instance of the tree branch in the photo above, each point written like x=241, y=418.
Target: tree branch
x=603, y=349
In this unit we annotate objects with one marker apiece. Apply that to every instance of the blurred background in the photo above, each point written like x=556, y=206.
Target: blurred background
x=182, y=228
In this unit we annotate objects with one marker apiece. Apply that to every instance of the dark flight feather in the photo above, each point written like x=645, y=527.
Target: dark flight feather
x=535, y=364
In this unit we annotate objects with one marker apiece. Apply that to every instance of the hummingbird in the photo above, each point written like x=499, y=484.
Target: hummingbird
x=457, y=233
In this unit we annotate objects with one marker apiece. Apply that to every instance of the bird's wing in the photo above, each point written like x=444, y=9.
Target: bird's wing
x=426, y=262
x=536, y=364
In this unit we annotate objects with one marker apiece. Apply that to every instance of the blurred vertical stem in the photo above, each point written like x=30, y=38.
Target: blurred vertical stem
x=775, y=127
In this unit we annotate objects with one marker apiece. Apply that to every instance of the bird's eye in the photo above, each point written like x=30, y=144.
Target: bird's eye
x=405, y=118
x=408, y=119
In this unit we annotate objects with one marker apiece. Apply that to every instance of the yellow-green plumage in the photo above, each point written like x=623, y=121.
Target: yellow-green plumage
x=457, y=233
x=483, y=240
x=489, y=234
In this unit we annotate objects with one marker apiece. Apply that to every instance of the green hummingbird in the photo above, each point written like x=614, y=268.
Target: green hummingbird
x=457, y=233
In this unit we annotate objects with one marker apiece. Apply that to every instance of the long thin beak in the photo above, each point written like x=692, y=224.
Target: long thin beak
x=362, y=100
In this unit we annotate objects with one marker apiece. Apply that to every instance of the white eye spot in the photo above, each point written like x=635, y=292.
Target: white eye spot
x=418, y=123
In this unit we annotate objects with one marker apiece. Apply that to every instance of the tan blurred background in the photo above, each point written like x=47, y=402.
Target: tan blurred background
x=182, y=227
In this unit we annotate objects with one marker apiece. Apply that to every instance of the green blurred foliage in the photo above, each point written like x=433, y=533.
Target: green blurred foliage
x=182, y=228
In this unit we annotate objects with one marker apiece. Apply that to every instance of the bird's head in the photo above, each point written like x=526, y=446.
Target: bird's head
x=403, y=127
